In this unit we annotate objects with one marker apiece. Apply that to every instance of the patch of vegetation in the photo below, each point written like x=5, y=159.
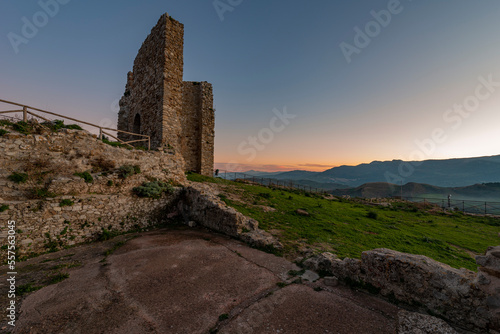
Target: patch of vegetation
x=153, y=189
x=85, y=176
x=23, y=127
x=59, y=124
x=110, y=183
x=102, y=164
x=223, y=317
x=372, y=214
x=6, y=122
x=343, y=226
x=4, y=207
x=41, y=193
x=3, y=132
x=56, y=278
x=128, y=170
x=66, y=202
x=105, y=140
x=18, y=177
x=114, y=248
x=27, y=288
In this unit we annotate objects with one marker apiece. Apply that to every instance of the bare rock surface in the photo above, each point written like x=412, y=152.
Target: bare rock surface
x=416, y=323
x=194, y=281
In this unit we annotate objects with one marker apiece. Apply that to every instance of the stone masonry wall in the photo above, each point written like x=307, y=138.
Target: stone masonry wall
x=50, y=160
x=44, y=224
x=198, y=122
x=207, y=129
x=146, y=86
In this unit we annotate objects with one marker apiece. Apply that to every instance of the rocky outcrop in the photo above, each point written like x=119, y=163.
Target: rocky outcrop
x=416, y=323
x=455, y=295
x=200, y=203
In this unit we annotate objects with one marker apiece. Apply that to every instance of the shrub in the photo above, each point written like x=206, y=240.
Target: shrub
x=127, y=170
x=23, y=127
x=110, y=183
x=41, y=193
x=372, y=215
x=102, y=164
x=66, y=202
x=4, y=207
x=265, y=195
x=58, y=124
x=86, y=176
x=153, y=189
x=18, y=177
x=3, y=132
x=6, y=122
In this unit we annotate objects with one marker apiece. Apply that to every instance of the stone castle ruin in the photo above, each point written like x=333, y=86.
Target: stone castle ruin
x=176, y=114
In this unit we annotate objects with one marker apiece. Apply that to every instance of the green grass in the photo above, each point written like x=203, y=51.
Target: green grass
x=18, y=177
x=347, y=228
x=66, y=202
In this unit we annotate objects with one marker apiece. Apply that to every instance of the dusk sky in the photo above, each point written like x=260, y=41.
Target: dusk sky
x=360, y=80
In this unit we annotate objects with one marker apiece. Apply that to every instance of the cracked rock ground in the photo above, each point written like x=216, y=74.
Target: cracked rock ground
x=194, y=281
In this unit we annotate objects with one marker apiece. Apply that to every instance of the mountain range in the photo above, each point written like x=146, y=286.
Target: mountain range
x=442, y=173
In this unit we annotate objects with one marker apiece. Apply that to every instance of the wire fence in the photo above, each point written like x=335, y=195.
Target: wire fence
x=465, y=206
x=269, y=182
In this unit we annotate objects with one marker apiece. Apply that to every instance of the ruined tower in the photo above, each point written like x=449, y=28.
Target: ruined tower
x=178, y=115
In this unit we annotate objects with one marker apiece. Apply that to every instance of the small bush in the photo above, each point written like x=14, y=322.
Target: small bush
x=18, y=177
x=23, y=127
x=86, y=176
x=59, y=124
x=6, y=122
x=126, y=171
x=223, y=317
x=3, y=132
x=137, y=169
x=110, y=183
x=105, y=235
x=264, y=195
x=153, y=189
x=4, y=208
x=102, y=164
x=372, y=215
x=66, y=202
x=41, y=193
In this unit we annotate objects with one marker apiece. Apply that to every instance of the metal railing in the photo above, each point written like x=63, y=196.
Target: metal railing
x=27, y=110
x=269, y=182
x=465, y=206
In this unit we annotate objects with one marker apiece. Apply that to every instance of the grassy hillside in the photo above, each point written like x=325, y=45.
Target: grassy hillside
x=348, y=228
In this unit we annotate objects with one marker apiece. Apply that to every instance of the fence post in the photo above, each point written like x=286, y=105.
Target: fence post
x=100, y=133
x=485, y=208
x=25, y=114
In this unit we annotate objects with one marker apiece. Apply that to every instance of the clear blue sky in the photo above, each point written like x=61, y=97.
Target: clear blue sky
x=271, y=54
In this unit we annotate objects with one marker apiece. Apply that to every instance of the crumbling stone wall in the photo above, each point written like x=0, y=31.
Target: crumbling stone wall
x=197, y=141
x=51, y=160
x=177, y=115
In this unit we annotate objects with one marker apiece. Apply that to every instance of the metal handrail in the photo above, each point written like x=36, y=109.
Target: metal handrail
x=25, y=112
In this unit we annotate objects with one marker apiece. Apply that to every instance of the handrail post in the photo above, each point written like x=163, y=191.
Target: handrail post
x=25, y=114
x=100, y=133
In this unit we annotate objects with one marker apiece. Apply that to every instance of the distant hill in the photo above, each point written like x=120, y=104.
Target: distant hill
x=442, y=173
x=484, y=192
